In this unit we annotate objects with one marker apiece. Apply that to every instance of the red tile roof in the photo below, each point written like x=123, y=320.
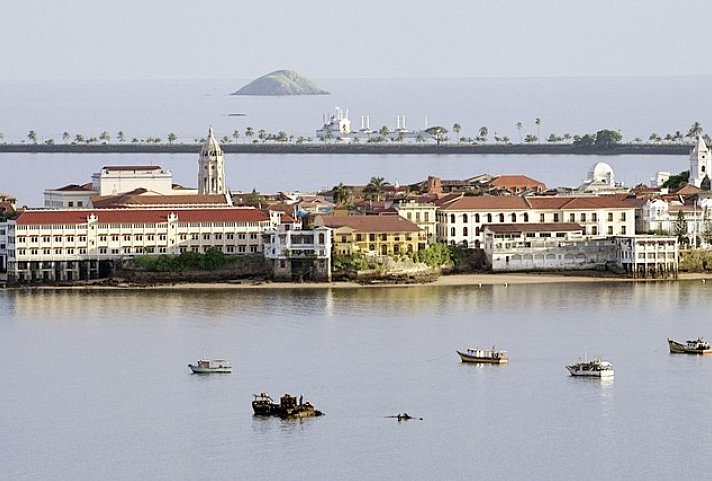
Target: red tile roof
x=371, y=223
x=515, y=180
x=142, y=216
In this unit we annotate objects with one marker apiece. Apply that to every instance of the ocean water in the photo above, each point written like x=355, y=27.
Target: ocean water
x=95, y=384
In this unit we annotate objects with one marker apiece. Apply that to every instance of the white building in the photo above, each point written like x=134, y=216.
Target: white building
x=700, y=163
x=297, y=254
x=422, y=214
x=68, y=245
x=692, y=221
x=648, y=256
x=211, y=167
x=601, y=180
x=460, y=218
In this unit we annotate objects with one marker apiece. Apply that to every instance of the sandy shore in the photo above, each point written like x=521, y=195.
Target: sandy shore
x=449, y=280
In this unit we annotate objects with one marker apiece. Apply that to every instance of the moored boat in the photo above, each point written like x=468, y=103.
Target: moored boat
x=697, y=346
x=490, y=356
x=288, y=407
x=594, y=368
x=209, y=366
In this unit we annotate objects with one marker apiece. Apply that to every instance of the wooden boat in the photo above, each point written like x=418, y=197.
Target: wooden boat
x=209, y=366
x=288, y=407
x=490, y=356
x=593, y=368
x=697, y=346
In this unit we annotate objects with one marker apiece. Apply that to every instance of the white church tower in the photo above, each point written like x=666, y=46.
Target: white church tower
x=700, y=163
x=211, y=167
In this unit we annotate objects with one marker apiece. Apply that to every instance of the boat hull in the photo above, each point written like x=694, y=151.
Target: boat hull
x=464, y=357
x=600, y=374
x=679, y=348
x=209, y=370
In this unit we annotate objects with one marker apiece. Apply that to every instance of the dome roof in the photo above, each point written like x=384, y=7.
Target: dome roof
x=211, y=145
x=601, y=172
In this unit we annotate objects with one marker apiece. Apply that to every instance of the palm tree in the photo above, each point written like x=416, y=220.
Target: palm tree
x=537, y=121
x=120, y=136
x=105, y=136
x=384, y=132
x=342, y=193
x=79, y=139
x=262, y=134
x=655, y=138
x=530, y=139
x=695, y=130
x=171, y=138
x=456, y=127
x=519, y=129
x=32, y=136
x=483, y=133
x=225, y=139
x=235, y=135
x=438, y=133
x=65, y=136
x=376, y=187
x=249, y=132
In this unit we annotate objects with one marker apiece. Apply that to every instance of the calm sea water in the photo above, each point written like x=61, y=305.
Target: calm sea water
x=637, y=106
x=95, y=384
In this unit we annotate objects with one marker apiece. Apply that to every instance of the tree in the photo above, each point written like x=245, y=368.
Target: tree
x=586, y=140
x=342, y=193
x=655, y=138
x=262, y=134
x=254, y=197
x=65, y=136
x=104, y=136
x=457, y=128
x=605, y=139
x=530, y=138
x=32, y=136
x=120, y=136
x=519, y=130
x=537, y=122
x=79, y=139
x=224, y=140
x=681, y=227
x=376, y=187
x=249, y=133
x=235, y=135
x=695, y=130
x=384, y=132
x=171, y=138
x=483, y=133
x=674, y=182
x=707, y=226
x=438, y=133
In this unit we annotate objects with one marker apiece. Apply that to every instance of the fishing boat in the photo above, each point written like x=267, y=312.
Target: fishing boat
x=697, y=346
x=594, y=368
x=490, y=356
x=288, y=407
x=209, y=366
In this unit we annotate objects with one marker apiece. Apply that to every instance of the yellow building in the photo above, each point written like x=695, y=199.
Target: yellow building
x=373, y=234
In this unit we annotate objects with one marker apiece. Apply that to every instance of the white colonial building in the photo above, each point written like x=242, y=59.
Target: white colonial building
x=692, y=220
x=700, y=163
x=648, y=256
x=211, y=167
x=68, y=245
x=297, y=254
x=461, y=218
x=422, y=214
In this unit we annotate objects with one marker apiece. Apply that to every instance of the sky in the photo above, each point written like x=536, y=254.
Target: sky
x=226, y=39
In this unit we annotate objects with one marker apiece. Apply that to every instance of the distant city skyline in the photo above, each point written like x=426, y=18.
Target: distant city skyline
x=222, y=39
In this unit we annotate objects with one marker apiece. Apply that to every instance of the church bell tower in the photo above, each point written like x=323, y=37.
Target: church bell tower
x=700, y=163
x=211, y=167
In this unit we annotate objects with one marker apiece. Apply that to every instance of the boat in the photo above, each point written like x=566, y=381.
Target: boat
x=697, y=346
x=594, y=368
x=490, y=356
x=288, y=407
x=209, y=366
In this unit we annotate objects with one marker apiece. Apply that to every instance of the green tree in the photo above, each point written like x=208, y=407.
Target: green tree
x=674, y=182
x=655, y=138
x=255, y=197
x=530, y=138
x=483, y=133
x=32, y=136
x=587, y=140
x=519, y=130
x=171, y=137
x=249, y=133
x=120, y=136
x=681, y=227
x=456, y=127
x=537, y=122
x=438, y=133
x=235, y=135
x=695, y=131
x=65, y=136
x=342, y=193
x=384, y=132
x=605, y=139
x=79, y=139
x=104, y=136
x=375, y=188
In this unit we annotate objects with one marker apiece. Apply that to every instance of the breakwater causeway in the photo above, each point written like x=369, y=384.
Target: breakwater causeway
x=372, y=149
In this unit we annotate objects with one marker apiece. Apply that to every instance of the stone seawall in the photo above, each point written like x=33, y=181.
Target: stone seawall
x=364, y=148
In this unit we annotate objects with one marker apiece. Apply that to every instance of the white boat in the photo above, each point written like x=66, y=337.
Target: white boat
x=593, y=368
x=209, y=366
x=490, y=356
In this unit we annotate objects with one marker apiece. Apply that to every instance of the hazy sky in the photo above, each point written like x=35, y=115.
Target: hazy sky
x=228, y=39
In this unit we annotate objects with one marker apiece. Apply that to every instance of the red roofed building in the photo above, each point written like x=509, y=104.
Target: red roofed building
x=68, y=245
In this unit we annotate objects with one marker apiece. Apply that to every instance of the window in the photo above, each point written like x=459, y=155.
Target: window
x=427, y=216
x=541, y=218
x=622, y=230
x=464, y=218
x=556, y=217
x=464, y=231
x=594, y=230
x=477, y=218
x=452, y=218
x=206, y=236
x=514, y=217
x=372, y=237
x=610, y=217
x=384, y=237
x=501, y=217
x=489, y=218
x=526, y=217
x=572, y=217
x=623, y=216
x=594, y=217
x=610, y=230
x=452, y=231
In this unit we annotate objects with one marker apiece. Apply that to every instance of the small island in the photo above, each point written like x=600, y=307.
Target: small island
x=281, y=82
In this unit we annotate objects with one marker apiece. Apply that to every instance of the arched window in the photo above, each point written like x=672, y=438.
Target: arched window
x=514, y=217
x=464, y=231
x=464, y=218
x=321, y=238
x=489, y=218
x=477, y=218
x=526, y=217
x=501, y=217
x=477, y=231
x=452, y=218
x=452, y=231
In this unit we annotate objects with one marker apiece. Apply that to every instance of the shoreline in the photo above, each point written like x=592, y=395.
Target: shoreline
x=453, y=280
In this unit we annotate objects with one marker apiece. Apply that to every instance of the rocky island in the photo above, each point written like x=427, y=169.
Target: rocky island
x=281, y=82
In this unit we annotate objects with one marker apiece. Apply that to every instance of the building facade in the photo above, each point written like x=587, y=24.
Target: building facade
x=373, y=234
x=211, y=167
x=298, y=254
